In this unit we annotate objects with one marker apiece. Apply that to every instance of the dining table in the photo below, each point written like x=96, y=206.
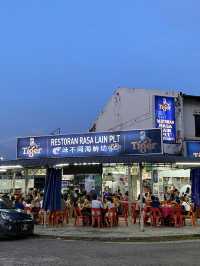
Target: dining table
x=167, y=211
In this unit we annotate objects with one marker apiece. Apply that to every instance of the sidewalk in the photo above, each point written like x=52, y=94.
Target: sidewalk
x=120, y=233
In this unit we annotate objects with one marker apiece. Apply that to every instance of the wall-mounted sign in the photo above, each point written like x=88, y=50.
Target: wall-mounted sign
x=193, y=148
x=165, y=118
x=136, y=142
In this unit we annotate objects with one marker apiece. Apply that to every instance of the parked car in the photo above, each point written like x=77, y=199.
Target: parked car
x=14, y=222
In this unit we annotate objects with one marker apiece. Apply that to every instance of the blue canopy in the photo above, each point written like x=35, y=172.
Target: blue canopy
x=52, y=191
x=195, y=178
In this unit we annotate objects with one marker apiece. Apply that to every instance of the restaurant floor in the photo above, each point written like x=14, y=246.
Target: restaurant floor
x=120, y=233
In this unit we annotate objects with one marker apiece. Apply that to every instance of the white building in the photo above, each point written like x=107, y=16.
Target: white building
x=136, y=109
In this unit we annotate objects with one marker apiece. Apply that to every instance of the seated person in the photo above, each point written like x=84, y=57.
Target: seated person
x=185, y=205
x=86, y=211
x=96, y=204
x=87, y=202
x=110, y=203
x=19, y=204
x=155, y=202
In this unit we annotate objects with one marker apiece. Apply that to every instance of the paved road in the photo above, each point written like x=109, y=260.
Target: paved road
x=78, y=253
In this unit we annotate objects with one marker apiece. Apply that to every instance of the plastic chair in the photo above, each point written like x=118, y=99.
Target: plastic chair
x=134, y=213
x=192, y=216
x=59, y=218
x=96, y=217
x=41, y=217
x=51, y=218
x=112, y=216
x=147, y=214
x=156, y=216
x=28, y=210
x=124, y=215
x=66, y=215
x=178, y=216
x=78, y=216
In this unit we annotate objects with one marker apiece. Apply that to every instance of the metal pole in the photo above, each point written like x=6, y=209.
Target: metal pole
x=26, y=181
x=14, y=176
x=141, y=199
x=130, y=192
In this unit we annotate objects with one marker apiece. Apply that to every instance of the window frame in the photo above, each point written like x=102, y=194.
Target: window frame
x=197, y=125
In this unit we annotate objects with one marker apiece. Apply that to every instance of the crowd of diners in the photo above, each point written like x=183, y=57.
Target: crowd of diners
x=80, y=203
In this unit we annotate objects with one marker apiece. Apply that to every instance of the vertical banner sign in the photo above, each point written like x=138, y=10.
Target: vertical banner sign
x=165, y=118
x=136, y=142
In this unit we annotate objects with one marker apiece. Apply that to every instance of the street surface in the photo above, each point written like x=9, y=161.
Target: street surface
x=60, y=252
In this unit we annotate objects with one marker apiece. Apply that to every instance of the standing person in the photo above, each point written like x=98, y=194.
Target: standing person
x=126, y=196
x=75, y=197
x=36, y=206
x=176, y=196
x=93, y=193
x=98, y=213
x=19, y=203
x=106, y=193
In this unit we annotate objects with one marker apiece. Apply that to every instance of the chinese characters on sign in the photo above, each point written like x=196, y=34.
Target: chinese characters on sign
x=165, y=117
x=91, y=144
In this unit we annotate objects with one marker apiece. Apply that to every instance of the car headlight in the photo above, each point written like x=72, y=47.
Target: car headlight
x=5, y=216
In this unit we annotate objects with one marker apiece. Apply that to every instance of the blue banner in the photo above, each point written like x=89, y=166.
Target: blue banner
x=193, y=149
x=136, y=142
x=165, y=118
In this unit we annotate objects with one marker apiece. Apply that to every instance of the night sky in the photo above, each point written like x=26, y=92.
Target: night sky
x=61, y=60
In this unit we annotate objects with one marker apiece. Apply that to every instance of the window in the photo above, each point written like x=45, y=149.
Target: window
x=197, y=125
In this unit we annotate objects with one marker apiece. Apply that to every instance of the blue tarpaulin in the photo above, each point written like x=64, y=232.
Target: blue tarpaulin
x=195, y=178
x=52, y=191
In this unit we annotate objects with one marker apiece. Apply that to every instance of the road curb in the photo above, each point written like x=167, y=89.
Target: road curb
x=122, y=239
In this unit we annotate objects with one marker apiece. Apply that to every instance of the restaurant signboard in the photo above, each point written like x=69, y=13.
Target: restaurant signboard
x=165, y=118
x=135, y=142
x=193, y=149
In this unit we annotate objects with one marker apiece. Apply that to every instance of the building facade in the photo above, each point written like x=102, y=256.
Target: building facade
x=138, y=109
x=99, y=160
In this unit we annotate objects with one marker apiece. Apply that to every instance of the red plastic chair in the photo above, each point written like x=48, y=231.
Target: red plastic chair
x=147, y=214
x=96, y=217
x=124, y=215
x=66, y=215
x=112, y=216
x=156, y=216
x=28, y=210
x=192, y=216
x=59, y=218
x=134, y=213
x=178, y=217
x=79, y=217
x=42, y=217
x=51, y=218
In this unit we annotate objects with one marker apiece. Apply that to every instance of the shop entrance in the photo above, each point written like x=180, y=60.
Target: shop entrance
x=82, y=177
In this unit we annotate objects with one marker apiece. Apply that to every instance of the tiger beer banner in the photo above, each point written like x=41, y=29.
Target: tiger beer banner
x=165, y=118
x=135, y=142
